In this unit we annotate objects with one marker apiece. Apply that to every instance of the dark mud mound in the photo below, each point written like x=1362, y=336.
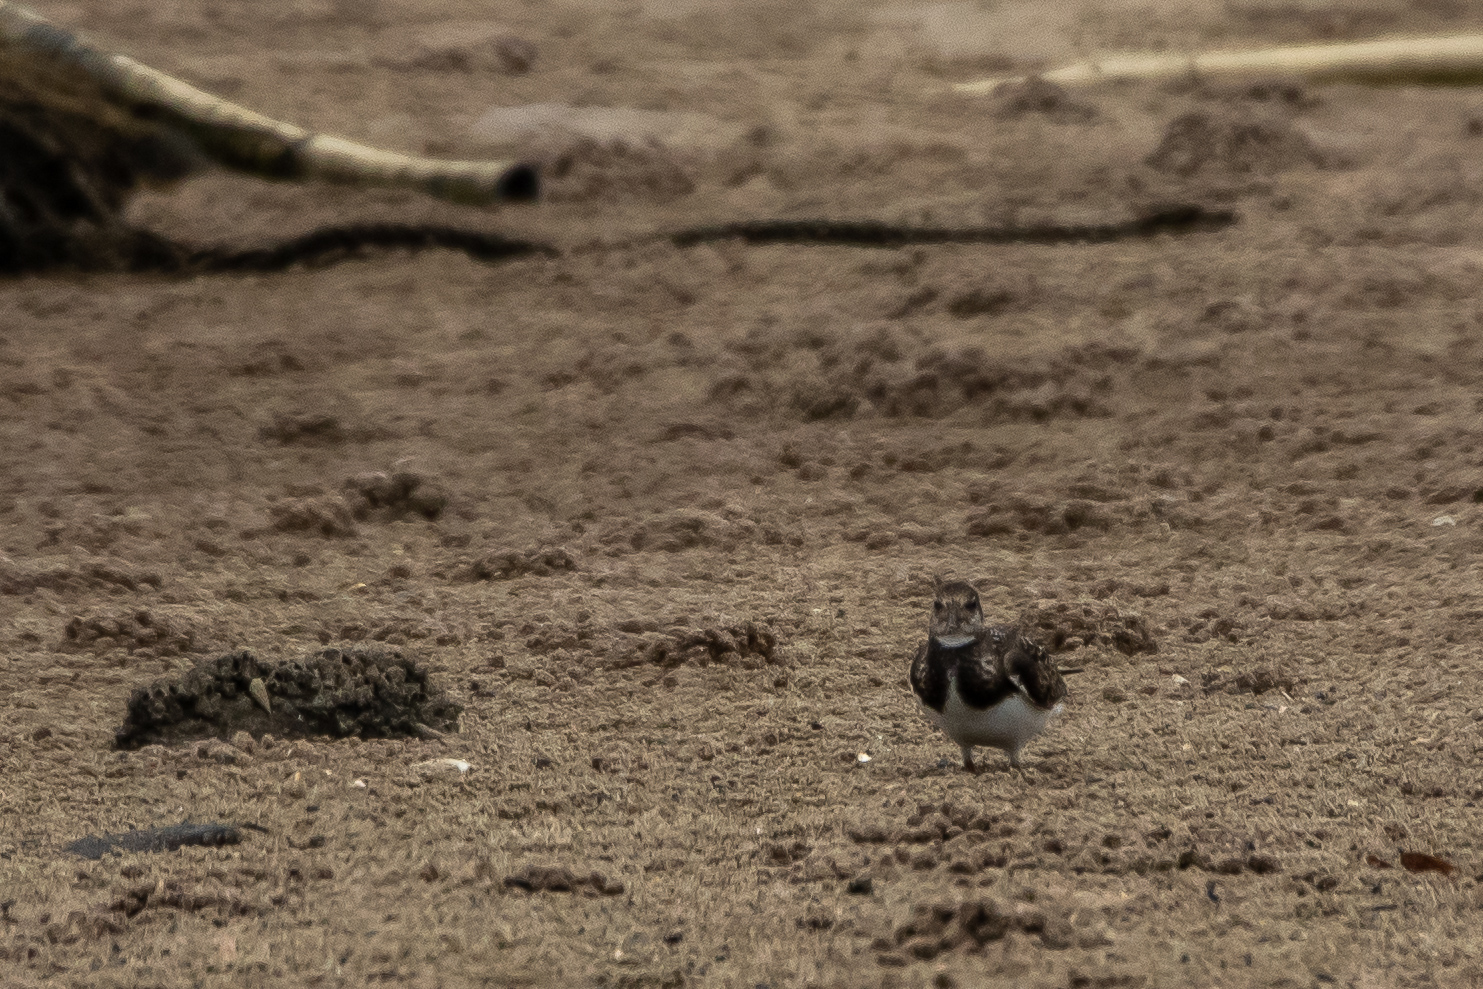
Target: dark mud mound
x=970, y=927
x=584, y=170
x=1039, y=97
x=141, y=632
x=559, y=879
x=1234, y=143
x=508, y=564
x=1062, y=626
x=749, y=646
x=387, y=496
x=372, y=693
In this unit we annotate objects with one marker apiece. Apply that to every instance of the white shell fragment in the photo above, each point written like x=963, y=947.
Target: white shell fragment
x=440, y=767
x=863, y=757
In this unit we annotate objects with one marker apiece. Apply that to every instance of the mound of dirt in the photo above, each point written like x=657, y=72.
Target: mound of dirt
x=1257, y=680
x=1062, y=627
x=73, y=575
x=139, y=632
x=537, y=561
x=1040, y=97
x=969, y=926
x=895, y=375
x=384, y=497
x=559, y=879
x=1234, y=143
x=325, y=515
x=374, y=496
x=749, y=646
x=372, y=693
x=583, y=169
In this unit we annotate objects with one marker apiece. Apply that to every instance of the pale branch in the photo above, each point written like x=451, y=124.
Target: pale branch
x=39, y=56
x=1453, y=59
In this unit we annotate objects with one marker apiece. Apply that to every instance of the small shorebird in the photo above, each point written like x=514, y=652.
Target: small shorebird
x=983, y=685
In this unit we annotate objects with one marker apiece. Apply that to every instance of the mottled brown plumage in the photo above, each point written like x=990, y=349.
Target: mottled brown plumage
x=983, y=685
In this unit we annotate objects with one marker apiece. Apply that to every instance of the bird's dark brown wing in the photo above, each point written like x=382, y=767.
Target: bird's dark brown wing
x=1028, y=665
x=929, y=678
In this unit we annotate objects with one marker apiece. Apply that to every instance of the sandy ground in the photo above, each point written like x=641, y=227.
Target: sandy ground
x=696, y=499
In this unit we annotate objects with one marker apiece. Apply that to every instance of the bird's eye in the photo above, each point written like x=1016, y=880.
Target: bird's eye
x=937, y=606
x=973, y=605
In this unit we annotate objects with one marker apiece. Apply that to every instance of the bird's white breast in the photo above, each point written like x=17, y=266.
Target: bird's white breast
x=1007, y=725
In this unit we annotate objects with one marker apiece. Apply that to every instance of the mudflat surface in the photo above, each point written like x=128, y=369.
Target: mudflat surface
x=689, y=504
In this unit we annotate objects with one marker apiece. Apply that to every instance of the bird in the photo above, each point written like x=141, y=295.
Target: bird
x=983, y=685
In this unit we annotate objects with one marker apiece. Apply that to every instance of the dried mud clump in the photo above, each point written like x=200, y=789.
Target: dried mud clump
x=380, y=496
x=968, y=927
x=374, y=496
x=750, y=646
x=1039, y=97
x=586, y=169
x=210, y=895
x=1061, y=627
x=1233, y=144
x=464, y=47
x=1257, y=680
x=317, y=429
x=879, y=373
x=1211, y=624
x=509, y=564
x=326, y=515
x=140, y=632
x=558, y=879
x=968, y=840
x=681, y=529
x=86, y=575
x=372, y=693
x=1019, y=514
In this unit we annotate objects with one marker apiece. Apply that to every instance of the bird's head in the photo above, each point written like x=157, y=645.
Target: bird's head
x=957, y=616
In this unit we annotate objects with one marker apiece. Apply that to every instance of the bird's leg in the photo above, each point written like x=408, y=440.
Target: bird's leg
x=968, y=763
x=1014, y=762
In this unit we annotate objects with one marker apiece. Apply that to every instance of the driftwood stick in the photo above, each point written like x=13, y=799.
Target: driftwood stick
x=235, y=136
x=1454, y=60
